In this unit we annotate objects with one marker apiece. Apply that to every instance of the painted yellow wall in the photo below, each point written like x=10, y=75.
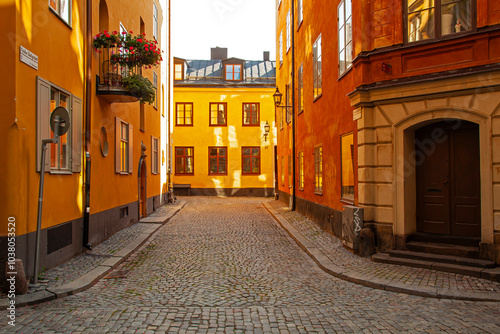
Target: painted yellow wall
x=110, y=190
x=234, y=136
x=60, y=52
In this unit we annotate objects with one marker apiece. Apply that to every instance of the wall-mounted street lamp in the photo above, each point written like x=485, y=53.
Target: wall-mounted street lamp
x=277, y=102
x=267, y=128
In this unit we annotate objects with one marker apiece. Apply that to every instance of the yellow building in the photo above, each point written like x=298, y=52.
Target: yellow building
x=223, y=126
x=93, y=185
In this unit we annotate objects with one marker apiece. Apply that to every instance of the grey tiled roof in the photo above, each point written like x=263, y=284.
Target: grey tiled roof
x=209, y=72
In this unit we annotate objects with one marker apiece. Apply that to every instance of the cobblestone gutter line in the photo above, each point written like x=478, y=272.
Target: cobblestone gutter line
x=329, y=254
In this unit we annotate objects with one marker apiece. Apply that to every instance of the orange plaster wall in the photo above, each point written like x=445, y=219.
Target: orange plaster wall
x=59, y=50
x=324, y=120
x=108, y=189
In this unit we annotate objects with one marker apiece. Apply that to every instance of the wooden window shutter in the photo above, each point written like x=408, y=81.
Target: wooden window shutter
x=43, y=120
x=118, y=128
x=130, y=148
x=152, y=155
x=76, y=128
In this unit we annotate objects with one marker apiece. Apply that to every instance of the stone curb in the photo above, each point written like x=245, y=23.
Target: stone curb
x=329, y=267
x=89, y=279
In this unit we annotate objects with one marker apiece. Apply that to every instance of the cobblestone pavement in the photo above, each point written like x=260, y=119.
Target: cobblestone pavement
x=223, y=265
x=332, y=247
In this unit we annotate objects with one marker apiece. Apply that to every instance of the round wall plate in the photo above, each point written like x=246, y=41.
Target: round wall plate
x=64, y=123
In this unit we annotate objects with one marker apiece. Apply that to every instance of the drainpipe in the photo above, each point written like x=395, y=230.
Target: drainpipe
x=293, y=107
x=169, y=160
x=88, y=127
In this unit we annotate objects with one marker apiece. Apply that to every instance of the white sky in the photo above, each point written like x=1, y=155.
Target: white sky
x=245, y=27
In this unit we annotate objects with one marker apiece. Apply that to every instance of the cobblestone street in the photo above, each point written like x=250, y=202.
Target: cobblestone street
x=224, y=265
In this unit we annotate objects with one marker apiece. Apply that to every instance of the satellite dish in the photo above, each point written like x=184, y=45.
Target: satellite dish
x=63, y=125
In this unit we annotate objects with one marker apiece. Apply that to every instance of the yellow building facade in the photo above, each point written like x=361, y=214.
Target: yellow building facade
x=49, y=61
x=223, y=126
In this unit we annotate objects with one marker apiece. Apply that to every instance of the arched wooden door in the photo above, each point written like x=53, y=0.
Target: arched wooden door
x=447, y=163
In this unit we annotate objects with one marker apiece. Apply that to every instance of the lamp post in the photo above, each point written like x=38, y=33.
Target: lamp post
x=267, y=128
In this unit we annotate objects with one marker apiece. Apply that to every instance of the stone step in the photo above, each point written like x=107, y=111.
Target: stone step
x=492, y=274
x=444, y=239
x=443, y=249
x=464, y=261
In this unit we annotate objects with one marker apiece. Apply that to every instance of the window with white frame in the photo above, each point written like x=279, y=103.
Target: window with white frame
x=288, y=32
x=155, y=85
x=155, y=21
x=318, y=170
x=155, y=155
x=345, y=35
x=123, y=147
x=300, y=12
x=62, y=8
x=300, y=82
x=65, y=156
x=280, y=46
x=317, y=74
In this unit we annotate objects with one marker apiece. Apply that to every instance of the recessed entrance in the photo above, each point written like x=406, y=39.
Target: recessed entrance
x=448, y=178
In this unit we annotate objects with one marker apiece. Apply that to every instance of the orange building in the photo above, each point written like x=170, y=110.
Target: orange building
x=98, y=179
x=405, y=94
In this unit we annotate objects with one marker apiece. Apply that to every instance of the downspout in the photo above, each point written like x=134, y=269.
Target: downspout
x=88, y=127
x=293, y=108
x=169, y=150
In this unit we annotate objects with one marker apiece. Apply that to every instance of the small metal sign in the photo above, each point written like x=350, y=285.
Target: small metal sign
x=28, y=57
x=356, y=114
x=63, y=125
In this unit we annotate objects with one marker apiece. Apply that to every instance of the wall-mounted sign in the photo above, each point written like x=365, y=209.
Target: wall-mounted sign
x=28, y=57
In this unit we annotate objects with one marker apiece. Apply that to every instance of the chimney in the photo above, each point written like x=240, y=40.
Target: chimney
x=218, y=53
x=266, y=55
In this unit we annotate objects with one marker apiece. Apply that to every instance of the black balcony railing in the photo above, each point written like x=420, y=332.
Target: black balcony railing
x=114, y=66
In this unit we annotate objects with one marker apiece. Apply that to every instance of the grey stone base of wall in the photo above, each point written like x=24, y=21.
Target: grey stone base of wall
x=327, y=218
x=61, y=243
x=226, y=192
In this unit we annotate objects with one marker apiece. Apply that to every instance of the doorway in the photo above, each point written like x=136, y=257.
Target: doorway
x=447, y=157
x=142, y=190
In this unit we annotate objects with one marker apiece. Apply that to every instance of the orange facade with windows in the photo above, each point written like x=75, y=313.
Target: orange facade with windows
x=393, y=68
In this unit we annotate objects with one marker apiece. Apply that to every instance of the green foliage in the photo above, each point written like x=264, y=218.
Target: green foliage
x=140, y=87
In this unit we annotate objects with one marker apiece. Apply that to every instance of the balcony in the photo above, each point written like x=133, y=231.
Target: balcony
x=114, y=68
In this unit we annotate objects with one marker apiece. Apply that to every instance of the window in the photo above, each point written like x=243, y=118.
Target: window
x=184, y=114
x=155, y=85
x=178, y=71
x=280, y=47
x=155, y=155
x=184, y=160
x=250, y=160
x=62, y=8
x=217, y=157
x=288, y=93
x=155, y=21
x=300, y=12
x=123, y=147
x=288, y=32
x=290, y=181
x=282, y=171
x=218, y=114
x=317, y=81
x=233, y=72
x=300, y=82
x=66, y=155
x=318, y=170
x=430, y=19
x=251, y=114
x=345, y=35
x=301, y=170
x=347, y=154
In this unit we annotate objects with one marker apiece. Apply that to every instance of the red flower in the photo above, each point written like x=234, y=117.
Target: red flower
x=107, y=35
x=132, y=52
x=105, y=31
x=144, y=34
x=139, y=40
x=146, y=49
x=131, y=31
x=131, y=48
x=115, y=32
x=124, y=32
